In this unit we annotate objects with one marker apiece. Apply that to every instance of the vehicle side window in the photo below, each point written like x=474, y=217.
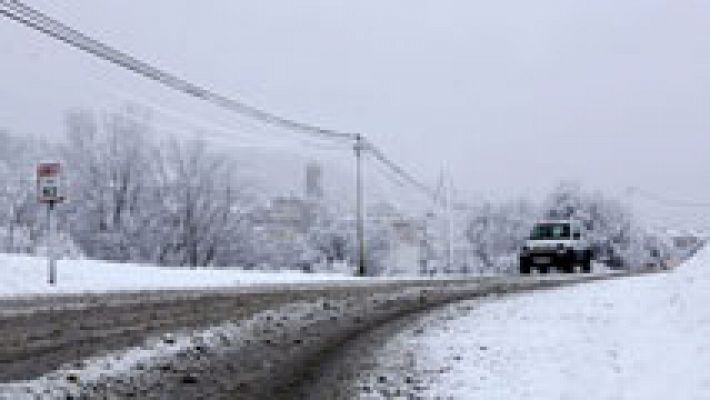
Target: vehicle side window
x=576, y=233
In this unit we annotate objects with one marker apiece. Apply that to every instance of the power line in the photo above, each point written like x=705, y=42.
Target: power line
x=379, y=155
x=665, y=200
x=387, y=186
x=247, y=132
x=35, y=19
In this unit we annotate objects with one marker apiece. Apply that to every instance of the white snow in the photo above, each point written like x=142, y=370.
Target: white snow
x=26, y=275
x=645, y=337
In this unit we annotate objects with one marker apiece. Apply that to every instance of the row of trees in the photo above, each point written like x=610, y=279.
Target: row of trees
x=18, y=209
x=137, y=199
x=496, y=231
x=137, y=196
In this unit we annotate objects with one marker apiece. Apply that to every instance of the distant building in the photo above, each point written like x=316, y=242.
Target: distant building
x=406, y=242
x=314, y=181
x=289, y=215
x=408, y=247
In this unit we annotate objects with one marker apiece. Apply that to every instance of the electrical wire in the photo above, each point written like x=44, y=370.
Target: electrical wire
x=265, y=139
x=19, y=12
x=26, y=15
x=666, y=201
x=379, y=155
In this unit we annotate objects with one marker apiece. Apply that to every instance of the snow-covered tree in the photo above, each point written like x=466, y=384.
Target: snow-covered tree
x=614, y=231
x=19, y=225
x=198, y=217
x=109, y=166
x=496, y=232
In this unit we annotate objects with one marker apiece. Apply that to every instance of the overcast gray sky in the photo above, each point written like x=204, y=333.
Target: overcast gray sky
x=514, y=95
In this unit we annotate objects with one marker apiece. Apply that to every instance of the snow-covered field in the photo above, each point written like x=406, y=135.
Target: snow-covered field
x=646, y=337
x=25, y=275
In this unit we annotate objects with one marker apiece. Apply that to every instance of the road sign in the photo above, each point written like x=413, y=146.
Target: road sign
x=49, y=183
x=49, y=191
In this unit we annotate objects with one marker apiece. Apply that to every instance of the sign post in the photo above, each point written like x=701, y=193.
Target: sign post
x=49, y=192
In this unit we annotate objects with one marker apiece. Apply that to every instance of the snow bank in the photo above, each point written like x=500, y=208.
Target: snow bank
x=25, y=275
x=645, y=337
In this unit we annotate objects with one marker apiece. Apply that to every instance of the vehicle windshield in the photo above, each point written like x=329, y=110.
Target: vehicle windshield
x=550, y=231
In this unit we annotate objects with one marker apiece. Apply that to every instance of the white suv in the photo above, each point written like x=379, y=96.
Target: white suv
x=559, y=243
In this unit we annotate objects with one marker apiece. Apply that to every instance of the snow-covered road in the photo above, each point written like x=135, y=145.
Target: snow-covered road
x=645, y=337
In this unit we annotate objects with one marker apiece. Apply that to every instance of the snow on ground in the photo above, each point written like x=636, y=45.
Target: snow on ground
x=646, y=337
x=25, y=275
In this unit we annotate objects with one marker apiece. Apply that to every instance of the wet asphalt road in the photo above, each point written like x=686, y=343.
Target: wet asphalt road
x=284, y=360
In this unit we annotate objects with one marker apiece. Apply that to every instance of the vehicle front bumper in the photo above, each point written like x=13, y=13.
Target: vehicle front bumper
x=545, y=258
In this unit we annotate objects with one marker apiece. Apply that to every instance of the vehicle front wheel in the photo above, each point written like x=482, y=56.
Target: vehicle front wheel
x=587, y=265
x=524, y=266
x=568, y=268
x=566, y=264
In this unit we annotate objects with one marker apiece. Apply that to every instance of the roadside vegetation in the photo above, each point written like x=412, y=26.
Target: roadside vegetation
x=139, y=196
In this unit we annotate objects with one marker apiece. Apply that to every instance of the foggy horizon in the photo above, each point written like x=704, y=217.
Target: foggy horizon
x=511, y=97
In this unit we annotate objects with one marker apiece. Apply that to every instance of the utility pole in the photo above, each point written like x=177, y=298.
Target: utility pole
x=450, y=224
x=424, y=253
x=360, y=224
x=446, y=184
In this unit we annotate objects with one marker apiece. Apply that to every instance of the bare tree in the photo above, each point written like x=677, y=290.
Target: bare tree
x=198, y=198
x=110, y=167
x=18, y=206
